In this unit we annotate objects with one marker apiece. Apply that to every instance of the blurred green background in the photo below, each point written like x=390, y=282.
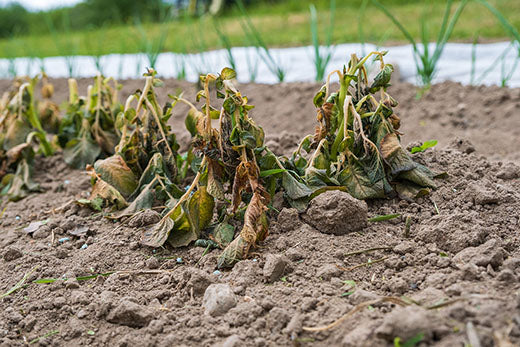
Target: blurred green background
x=97, y=27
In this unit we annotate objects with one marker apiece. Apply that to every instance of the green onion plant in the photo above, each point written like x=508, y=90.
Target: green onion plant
x=322, y=59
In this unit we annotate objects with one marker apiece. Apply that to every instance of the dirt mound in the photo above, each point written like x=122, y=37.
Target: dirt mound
x=458, y=263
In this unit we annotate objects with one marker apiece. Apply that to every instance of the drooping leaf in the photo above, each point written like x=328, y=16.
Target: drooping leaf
x=79, y=152
x=395, y=156
x=114, y=171
x=223, y=234
x=109, y=194
x=294, y=188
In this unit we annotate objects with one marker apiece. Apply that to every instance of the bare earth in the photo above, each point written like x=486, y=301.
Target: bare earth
x=458, y=267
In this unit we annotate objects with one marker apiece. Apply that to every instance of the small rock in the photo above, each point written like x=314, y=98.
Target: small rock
x=463, y=145
x=232, y=341
x=143, y=218
x=82, y=314
x=278, y=318
x=361, y=295
x=470, y=271
x=512, y=263
x=72, y=283
x=42, y=232
x=12, y=315
x=327, y=271
x=61, y=253
x=398, y=285
x=405, y=247
x=294, y=254
x=289, y=219
x=490, y=253
x=152, y=263
x=274, y=267
x=218, y=299
x=130, y=314
x=336, y=212
x=506, y=275
x=481, y=195
x=509, y=172
x=406, y=323
x=12, y=254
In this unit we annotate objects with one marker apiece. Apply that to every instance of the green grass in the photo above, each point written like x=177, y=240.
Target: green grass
x=283, y=24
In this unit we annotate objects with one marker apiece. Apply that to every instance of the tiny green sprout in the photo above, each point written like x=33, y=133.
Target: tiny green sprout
x=424, y=146
x=91, y=332
x=371, y=308
x=283, y=279
x=443, y=254
x=411, y=342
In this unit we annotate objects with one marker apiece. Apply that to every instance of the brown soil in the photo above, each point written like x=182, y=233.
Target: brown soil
x=458, y=267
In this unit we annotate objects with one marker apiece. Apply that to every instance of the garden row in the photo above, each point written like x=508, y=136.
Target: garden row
x=228, y=177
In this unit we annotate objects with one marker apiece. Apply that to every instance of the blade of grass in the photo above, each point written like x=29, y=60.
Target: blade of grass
x=254, y=36
x=224, y=40
x=20, y=283
x=383, y=217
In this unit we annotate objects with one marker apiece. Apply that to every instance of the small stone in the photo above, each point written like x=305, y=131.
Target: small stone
x=12, y=253
x=481, y=195
x=294, y=254
x=463, y=145
x=405, y=247
x=72, y=283
x=130, y=314
x=143, y=218
x=218, y=299
x=398, y=285
x=406, y=323
x=509, y=171
x=152, y=263
x=61, y=253
x=82, y=314
x=232, y=341
x=42, y=232
x=326, y=272
x=274, y=267
x=506, y=275
x=470, y=271
x=490, y=253
x=512, y=263
x=361, y=295
x=336, y=212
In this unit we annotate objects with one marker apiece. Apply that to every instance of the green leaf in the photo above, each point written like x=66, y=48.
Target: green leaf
x=223, y=234
x=424, y=146
x=228, y=74
x=267, y=173
x=294, y=188
x=79, y=152
x=395, y=156
x=419, y=175
x=108, y=194
x=358, y=182
x=114, y=171
x=319, y=98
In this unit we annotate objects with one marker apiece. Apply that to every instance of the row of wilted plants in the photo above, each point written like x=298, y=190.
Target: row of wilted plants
x=219, y=192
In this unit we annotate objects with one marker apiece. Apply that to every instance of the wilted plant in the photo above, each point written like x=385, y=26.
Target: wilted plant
x=21, y=136
x=88, y=129
x=234, y=162
x=356, y=145
x=322, y=59
x=146, y=166
x=425, y=60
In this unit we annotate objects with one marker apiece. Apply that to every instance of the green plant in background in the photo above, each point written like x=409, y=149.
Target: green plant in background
x=153, y=45
x=88, y=129
x=502, y=59
x=95, y=49
x=425, y=60
x=254, y=37
x=224, y=40
x=65, y=41
x=322, y=59
x=356, y=146
x=252, y=65
x=22, y=136
x=145, y=166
